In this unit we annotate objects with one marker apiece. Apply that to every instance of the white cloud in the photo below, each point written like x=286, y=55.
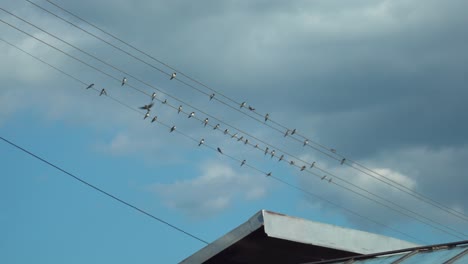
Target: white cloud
x=217, y=188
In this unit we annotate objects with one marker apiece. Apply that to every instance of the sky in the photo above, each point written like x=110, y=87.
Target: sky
x=382, y=82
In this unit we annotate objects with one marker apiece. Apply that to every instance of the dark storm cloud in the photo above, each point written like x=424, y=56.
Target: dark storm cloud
x=374, y=79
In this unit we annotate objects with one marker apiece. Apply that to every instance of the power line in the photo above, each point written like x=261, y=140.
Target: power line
x=215, y=149
x=405, y=214
x=328, y=151
x=104, y=192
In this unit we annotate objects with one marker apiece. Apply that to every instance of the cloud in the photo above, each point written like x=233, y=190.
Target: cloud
x=426, y=171
x=218, y=188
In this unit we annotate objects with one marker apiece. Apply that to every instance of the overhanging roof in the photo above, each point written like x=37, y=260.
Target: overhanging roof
x=277, y=238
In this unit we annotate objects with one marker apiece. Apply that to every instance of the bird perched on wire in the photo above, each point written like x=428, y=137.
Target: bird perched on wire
x=246, y=142
x=342, y=161
x=330, y=180
x=267, y=116
x=243, y=104
x=268, y=174
x=191, y=115
x=90, y=86
x=212, y=96
x=234, y=135
x=205, y=122
x=281, y=158
x=251, y=108
x=153, y=96
x=219, y=150
x=323, y=177
x=306, y=142
x=312, y=165
x=242, y=163
x=202, y=141
x=303, y=167
x=266, y=150
x=241, y=138
x=172, y=129
x=179, y=109
x=291, y=162
x=216, y=127
x=286, y=133
x=173, y=75
x=103, y=92
x=154, y=119
x=226, y=131
x=147, y=107
x=146, y=115
x=256, y=146
x=293, y=132
x=124, y=81
x=164, y=102
x=272, y=154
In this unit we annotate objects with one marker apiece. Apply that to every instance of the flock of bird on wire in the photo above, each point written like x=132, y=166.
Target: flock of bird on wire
x=205, y=122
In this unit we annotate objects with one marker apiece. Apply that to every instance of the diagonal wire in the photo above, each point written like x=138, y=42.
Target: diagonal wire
x=103, y=192
x=405, y=214
x=229, y=156
x=331, y=153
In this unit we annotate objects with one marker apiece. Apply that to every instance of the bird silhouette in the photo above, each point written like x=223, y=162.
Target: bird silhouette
x=124, y=81
x=266, y=150
x=246, y=142
x=147, y=107
x=241, y=138
x=202, y=141
x=272, y=154
x=342, y=161
x=267, y=116
x=251, y=108
x=205, y=122
x=216, y=127
x=286, y=133
x=291, y=162
x=268, y=174
x=243, y=104
x=312, y=165
x=303, y=167
x=234, y=135
x=226, y=131
x=281, y=158
x=191, y=115
x=330, y=180
x=154, y=119
x=323, y=177
x=179, y=109
x=90, y=86
x=172, y=129
x=219, y=150
x=153, y=96
x=242, y=163
x=256, y=146
x=146, y=115
x=306, y=142
x=164, y=102
x=293, y=132
x=212, y=96
x=103, y=92
x=173, y=75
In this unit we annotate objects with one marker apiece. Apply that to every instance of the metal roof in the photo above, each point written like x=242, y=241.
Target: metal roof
x=449, y=253
x=270, y=237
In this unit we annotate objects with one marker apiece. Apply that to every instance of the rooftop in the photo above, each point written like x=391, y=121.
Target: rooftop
x=277, y=238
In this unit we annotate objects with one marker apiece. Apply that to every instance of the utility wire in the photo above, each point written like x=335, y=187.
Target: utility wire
x=104, y=192
x=405, y=214
x=334, y=154
x=215, y=149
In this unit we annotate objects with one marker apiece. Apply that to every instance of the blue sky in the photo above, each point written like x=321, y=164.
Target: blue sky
x=383, y=82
